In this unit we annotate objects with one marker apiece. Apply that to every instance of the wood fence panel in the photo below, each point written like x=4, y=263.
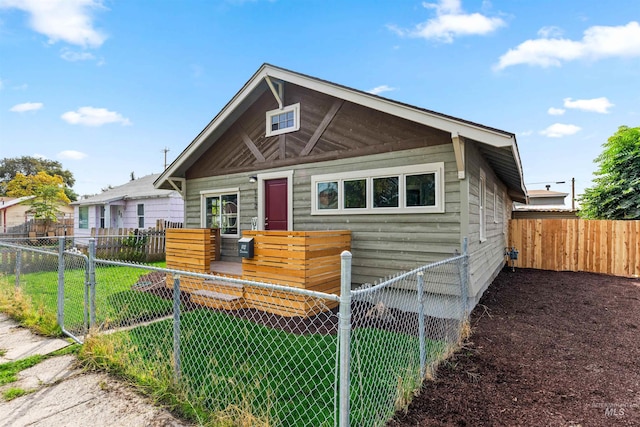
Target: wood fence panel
x=597, y=246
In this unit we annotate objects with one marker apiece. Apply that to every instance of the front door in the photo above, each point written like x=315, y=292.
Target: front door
x=275, y=204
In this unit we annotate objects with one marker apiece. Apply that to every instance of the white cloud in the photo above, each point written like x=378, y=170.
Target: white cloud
x=380, y=89
x=1, y=84
x=40, y=156
x=451, y=22
x=73, y=56
x=67, y=20
x=90, y=116
x=526, y=133
x=558, y=130
x=26, y=106
x=597, y=105
x=556, y=111
x=597, y=42
x=71, y=155
x=547, y=32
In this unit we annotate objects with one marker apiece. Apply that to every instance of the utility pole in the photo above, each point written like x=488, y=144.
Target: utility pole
x=573, y=194
x=165, y=150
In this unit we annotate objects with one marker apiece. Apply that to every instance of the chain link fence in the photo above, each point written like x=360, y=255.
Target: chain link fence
x=248, y=353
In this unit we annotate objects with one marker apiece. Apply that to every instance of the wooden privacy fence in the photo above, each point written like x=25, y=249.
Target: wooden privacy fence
x=130, y=244
x=597, y=246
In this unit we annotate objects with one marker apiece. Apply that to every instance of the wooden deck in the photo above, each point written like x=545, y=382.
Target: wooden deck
x=301, y=259
x=227, y=268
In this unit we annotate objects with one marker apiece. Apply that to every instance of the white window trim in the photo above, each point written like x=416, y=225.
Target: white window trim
x=138, y=216
x=482, y=205
x=496, y=201
x=296, y=119
x=369, y=175
x=262, y=177
x=216, y=193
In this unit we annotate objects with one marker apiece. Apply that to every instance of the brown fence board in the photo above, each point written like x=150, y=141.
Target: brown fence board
x=597, y=246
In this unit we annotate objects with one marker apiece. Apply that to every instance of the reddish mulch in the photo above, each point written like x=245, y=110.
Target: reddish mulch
x=547, y=349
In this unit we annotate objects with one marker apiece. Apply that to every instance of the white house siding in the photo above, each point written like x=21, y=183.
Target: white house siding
x=381, y=244
x=154, y=209
x=486, y=257
x=164, y=208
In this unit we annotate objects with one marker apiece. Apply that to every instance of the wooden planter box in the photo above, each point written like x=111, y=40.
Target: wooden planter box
x=192, y=249
x=302, y=259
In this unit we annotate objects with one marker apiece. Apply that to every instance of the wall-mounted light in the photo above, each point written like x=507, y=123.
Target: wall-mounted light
x=253, y=179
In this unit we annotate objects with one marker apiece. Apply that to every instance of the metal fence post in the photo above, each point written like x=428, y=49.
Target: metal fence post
x=18, y=266
x=345, y=336
x=92, y=282
x=464, y=279
x=176, y=327
x=60, y=316
x=423, y=350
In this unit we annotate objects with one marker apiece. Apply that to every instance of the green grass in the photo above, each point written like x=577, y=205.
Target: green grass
x=13, y=393
x=9, y=370
x=116, y=303
x=233, y=369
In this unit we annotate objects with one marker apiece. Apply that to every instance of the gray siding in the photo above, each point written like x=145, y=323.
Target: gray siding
x=381, y=244
x=486, y=257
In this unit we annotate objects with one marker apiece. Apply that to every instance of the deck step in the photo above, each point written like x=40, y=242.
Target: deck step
x=216, y=295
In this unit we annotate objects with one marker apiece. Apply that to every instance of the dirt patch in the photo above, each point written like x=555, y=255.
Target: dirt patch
x=548, y=348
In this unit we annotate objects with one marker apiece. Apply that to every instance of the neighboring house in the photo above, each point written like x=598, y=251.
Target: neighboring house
x=294, y=152
x=543, y=204
x=136, y=204
x=15, y=213
x=546, y=197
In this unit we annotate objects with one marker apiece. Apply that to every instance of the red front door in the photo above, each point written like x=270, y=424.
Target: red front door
x=275, y=202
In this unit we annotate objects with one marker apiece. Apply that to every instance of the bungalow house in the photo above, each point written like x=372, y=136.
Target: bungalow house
x=136, y=204
x=294, y=152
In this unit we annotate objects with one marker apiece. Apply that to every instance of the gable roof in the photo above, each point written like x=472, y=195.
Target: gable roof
x=499, y=147
x=141, y=188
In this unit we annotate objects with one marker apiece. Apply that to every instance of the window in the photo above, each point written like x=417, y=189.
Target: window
x=101, y=216
x=355, y=193
x=83, y=217
x=284, y=120
x=405, y=189
x=221, y=211
x=482, y=196
x=496, y=204
x=140, y=215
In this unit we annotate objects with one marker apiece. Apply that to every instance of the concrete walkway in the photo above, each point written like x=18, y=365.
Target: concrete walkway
x=61, y=394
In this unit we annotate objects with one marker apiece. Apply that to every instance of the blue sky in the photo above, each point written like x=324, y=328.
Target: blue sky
x=104, y=86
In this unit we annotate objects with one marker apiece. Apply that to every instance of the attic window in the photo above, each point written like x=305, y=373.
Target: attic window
x=284, y=120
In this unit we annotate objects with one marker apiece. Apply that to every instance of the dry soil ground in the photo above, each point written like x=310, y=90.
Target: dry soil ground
x=547, y=349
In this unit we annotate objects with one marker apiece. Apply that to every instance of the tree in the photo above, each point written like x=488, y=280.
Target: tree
x=47, y=191
x=28, y=166
x=615, y=194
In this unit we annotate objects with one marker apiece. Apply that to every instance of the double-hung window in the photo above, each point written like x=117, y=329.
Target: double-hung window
x=101, y=209
x=140, y=215
x=220, y=209
x=482, y=205
x=405, y=189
